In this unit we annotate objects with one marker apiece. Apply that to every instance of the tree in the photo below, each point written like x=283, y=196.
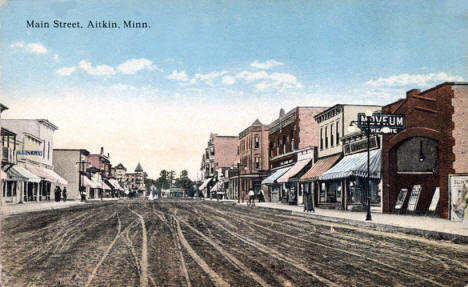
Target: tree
x=185, y=182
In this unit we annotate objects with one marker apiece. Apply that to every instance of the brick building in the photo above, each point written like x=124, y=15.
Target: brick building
x=291, y=133
x=433, y=146
x=220, y=155
x=253, y=156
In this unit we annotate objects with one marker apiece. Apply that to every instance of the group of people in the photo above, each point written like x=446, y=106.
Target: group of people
x=260, y=196
x=60, y=194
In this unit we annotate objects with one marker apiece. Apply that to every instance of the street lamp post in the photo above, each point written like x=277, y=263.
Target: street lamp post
x=368, y=119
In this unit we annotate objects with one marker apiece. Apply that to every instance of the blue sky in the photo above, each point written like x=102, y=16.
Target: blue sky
x=215, y=66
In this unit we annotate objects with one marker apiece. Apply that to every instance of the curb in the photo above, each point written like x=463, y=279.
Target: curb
x=429, y=234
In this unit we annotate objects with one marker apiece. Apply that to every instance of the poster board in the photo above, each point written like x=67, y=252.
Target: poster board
x=435, y=200
x=458, y=191
x=414, y=197
x=401, y=198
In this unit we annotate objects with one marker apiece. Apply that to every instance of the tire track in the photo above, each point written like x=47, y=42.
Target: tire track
x=230, y=257
x=106, y=253
x=214, y=277
x=144, y=252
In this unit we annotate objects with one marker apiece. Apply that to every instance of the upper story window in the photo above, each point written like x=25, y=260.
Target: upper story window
x=285, y=140
x=48, y=150
x=337, y=133
x=212, y=150
x=257, y=141
x=271, y=149
x=326, y=137
x=332, y=142
x=277, y=146
x=321, y=138
x=257, y=163
x=291, y=141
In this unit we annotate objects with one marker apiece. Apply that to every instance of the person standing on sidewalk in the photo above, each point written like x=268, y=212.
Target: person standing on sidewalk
x=64, y=194
x=308, y=205
x=57, y=194
x=251, y=201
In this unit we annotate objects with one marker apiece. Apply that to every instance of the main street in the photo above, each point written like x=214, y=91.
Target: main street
x=203, y=243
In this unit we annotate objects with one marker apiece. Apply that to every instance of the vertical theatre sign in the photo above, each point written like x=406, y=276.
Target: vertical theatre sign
x=458, y=192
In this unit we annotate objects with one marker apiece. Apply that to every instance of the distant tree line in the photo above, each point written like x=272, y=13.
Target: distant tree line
x=167, y=178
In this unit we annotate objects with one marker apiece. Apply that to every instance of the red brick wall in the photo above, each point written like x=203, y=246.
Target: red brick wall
x=225, y=151
x=460, y=131
x=428, y=114
x=307, y=127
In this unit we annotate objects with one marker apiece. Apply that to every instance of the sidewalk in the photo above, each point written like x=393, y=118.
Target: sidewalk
x=11, y=209
x=429, y=227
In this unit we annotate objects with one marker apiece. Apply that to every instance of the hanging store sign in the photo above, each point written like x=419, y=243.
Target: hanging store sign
x=360, y=145
x=382, y=123
x=29, y=152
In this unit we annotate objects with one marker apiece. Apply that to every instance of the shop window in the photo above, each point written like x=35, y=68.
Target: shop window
x=332, y=190
x=323, y=188
x=418, y=155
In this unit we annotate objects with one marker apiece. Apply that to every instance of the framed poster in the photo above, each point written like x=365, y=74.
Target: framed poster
x=414, y=197
x=401, y=198
x=458, y=191
x=435, y=200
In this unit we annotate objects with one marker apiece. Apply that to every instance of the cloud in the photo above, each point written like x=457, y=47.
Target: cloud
x=66, y=71
x=415, y=79
x=101, y=70
x=265, y=65
x=56, y=58
x=132, y=66
x=209, y=77
x=32, y=48
x=228, y=80
x=269, y=81
x=178, y=76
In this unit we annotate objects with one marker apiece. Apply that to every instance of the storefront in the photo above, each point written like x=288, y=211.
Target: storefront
x=290, y=181
x=276, y=189
x=310, y=180
x=49, y=180
x=21, y=185
x=345, y=184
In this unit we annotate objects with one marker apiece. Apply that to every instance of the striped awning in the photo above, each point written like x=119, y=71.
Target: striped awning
x=275, y=175
x=46, y=174
x=88, y=182
x=115, y=184
x=294, y=170
x=356, y=165
x=18, y=173
x=321, y=166
x=205, y=183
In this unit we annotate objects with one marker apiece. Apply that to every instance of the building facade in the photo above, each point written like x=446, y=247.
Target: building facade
x=330, y=185
x=220, y=155
x=290, y=134
x=72, y=164
x=433, y=147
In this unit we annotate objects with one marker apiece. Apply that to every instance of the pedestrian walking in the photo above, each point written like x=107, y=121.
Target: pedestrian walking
x=64, y=194
x=83, y=194
x=308, y=203
x=57, y=194
x=261, y=196
x=251, y=201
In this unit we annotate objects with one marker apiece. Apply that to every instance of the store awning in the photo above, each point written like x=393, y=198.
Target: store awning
x=275, y=175
x=46, y=174
x=217, y=186
x=18, y=173
x=88, y=182
x=205, y=183
x=97, y=183
x=321, y=166
x=3, y=174
x=355, y=165
x=295, y=169
x=106, y=186
x=115, y=184
x=57, y=179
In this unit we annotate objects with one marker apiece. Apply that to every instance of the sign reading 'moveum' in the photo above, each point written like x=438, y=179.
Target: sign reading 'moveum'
x=392, y=123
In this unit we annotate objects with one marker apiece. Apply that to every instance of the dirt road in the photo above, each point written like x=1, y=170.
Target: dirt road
x=202, y=243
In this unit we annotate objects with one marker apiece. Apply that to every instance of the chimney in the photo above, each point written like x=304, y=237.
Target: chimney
x=108, y=155
x=282, y=113
x=102, y=150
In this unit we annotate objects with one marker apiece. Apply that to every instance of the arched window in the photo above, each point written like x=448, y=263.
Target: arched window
x=418, y=155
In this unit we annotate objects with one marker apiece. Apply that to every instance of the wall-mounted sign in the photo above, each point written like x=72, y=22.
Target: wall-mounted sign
x=360, y=145
x=393, y=123
x=29, y=152
x=458, y=191
x=414, y=197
